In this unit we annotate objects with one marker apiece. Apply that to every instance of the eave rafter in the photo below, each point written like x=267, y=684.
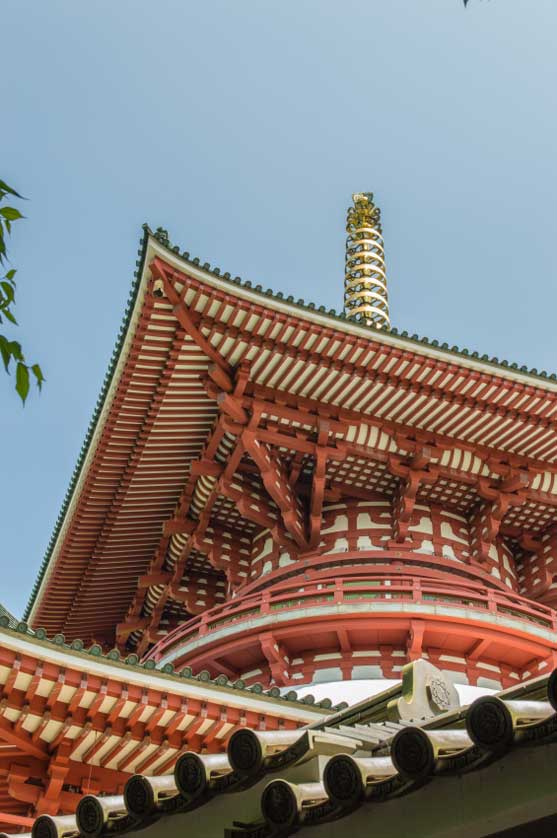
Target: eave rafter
x=111, y=500
x=193, y=528
x=188, y=322
x=385, y=366
x=15, y=735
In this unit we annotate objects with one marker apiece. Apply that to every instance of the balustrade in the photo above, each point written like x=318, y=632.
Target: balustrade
x=295, y=596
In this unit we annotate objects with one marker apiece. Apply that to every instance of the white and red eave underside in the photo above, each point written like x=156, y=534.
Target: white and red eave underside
x=317, y=495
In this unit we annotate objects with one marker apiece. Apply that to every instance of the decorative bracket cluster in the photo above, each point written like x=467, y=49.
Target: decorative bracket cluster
x=413, y=473
x=498, y=499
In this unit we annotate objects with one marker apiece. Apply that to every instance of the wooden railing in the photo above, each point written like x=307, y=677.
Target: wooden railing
x=294, y=596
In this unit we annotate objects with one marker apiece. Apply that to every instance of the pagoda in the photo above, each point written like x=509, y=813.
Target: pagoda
x=273, y=496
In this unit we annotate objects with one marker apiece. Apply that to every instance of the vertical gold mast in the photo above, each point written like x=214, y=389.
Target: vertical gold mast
x=365, y=283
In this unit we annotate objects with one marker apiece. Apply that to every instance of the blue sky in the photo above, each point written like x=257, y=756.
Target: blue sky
x=243, y=128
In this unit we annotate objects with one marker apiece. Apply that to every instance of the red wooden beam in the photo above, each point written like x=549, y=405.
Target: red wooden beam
x=184, y=316
x=305, y=407
x=206, y=467
x=276, y=658
x=232, y=407
x=318, y=485
x=221, y=378
x=21, y=740
x=16, y=820
x=148, y=579
x=277, y=485
x=178, y=525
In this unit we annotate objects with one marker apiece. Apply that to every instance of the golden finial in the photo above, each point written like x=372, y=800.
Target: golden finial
x=365, y=283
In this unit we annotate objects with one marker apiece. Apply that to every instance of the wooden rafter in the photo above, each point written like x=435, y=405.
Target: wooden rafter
x=318, y=484
x=276, y=482
x=431, y=387
x=188, y=322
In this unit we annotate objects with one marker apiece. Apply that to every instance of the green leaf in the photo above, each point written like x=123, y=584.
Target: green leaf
x=10, y=275
x=38, y=373
x=22, y=381
x=15, y=350
x=7, y=313
x=8, y=290
x=10, y=213
x=8, y=190
x=5, y=351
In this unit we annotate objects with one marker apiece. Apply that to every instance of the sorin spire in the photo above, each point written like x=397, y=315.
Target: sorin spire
x=365, y=283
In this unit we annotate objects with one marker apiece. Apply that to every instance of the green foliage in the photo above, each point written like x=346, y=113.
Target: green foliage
x=10, y=350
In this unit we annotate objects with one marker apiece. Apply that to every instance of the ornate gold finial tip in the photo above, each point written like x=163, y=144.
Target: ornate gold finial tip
x=365, y=283
x=358, y=197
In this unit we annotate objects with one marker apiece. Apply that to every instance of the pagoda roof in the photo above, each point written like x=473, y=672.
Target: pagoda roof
x=331, y=771
x=97, y=718
x=153, y=397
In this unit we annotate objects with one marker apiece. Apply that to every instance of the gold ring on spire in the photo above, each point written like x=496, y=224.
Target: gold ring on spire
x=365, y=283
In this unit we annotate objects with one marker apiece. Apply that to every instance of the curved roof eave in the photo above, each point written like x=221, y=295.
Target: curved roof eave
x=159, y=244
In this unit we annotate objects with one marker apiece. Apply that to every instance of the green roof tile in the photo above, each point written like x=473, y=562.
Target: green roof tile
x=7, y=617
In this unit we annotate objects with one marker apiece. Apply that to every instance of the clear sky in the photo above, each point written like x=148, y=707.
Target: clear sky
x=243, y=127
